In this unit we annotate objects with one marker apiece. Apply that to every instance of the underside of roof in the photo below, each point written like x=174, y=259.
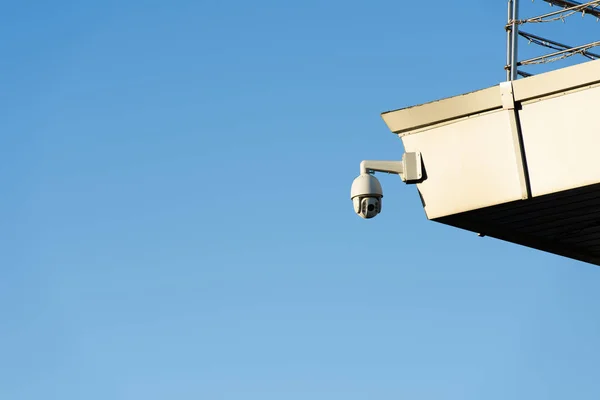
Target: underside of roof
x=566, y=223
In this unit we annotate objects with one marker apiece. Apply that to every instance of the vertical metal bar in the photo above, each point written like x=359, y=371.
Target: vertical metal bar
x=514, y=41
x=509, y=41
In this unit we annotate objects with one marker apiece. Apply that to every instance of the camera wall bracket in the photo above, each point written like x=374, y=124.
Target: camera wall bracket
x=410, y=168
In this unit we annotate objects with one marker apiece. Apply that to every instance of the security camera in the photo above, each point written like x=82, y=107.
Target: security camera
x=366, y=192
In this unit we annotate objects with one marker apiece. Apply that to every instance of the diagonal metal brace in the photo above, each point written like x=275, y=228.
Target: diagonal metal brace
x=591, y=9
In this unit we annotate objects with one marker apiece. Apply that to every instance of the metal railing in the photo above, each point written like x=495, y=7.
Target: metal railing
x=563, y=51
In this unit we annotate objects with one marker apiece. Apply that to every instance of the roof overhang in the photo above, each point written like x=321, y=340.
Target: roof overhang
x=518, y=161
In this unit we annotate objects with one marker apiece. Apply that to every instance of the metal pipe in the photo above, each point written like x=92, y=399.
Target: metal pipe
x=573, y=50
x=508, y=41
x=514, y=41
x=589, y=7
x=554, y=44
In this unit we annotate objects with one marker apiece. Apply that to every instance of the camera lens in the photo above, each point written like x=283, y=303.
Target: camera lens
x=371, y=207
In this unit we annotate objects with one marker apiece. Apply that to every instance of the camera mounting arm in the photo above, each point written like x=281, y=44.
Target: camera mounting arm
x=391, y=167
x=410, y=168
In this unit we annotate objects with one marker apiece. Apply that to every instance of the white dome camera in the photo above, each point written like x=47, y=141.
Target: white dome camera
x=366, y=194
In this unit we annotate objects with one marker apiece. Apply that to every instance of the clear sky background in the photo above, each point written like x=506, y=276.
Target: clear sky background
x=176, y=221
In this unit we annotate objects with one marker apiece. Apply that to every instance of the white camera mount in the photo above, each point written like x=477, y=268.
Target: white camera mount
x=410, y=168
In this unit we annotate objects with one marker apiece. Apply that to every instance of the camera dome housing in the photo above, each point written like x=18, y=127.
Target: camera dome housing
x=366, y=194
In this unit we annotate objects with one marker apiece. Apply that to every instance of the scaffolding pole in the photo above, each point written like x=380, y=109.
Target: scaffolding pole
x=512, y=40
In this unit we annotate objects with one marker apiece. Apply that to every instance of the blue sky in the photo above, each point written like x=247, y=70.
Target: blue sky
x=177, y=222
